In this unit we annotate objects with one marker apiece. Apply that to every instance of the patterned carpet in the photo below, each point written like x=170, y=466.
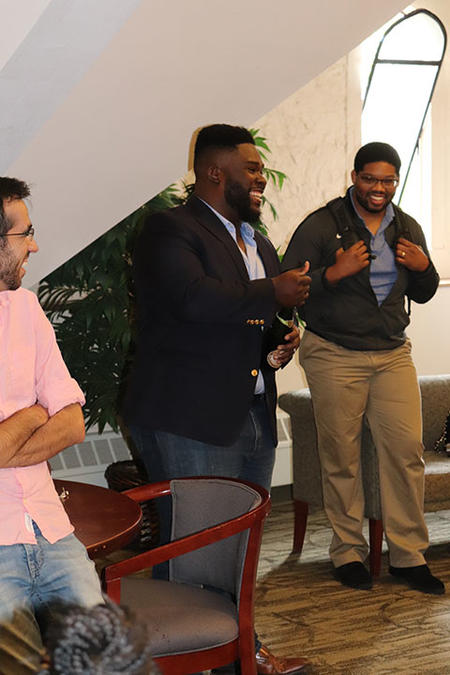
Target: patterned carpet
x=302, y=610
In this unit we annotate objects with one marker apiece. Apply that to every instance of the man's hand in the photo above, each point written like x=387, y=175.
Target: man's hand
x=411, y=256
x=284, y=353
x=292, y=287
x=348, y=263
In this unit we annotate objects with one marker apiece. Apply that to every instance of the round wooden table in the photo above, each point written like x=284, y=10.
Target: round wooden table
x=104, y=520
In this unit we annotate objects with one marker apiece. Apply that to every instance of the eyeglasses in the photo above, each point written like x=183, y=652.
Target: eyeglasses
x=373, y=180
x=28, y=233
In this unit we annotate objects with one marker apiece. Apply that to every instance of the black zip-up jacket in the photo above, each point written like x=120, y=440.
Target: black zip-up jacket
x=348, y=313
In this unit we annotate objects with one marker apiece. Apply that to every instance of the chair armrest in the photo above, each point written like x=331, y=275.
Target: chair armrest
x=143, y=493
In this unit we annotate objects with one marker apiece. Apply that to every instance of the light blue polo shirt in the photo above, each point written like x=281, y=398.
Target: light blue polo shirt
x=383, y=270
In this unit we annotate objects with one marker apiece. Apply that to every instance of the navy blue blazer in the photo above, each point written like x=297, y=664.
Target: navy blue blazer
x=200, y=327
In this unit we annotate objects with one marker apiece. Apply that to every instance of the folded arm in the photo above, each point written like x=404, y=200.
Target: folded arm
x=17, y=429
x=30, y=436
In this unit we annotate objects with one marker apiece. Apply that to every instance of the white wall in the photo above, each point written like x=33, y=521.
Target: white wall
x=430, y=334
x=18, y=19
x=313, y=136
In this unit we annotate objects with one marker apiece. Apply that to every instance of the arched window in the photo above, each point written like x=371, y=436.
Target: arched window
x=397, y=100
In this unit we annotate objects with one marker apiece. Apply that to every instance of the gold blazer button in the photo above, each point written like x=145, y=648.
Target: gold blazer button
x=254, y=372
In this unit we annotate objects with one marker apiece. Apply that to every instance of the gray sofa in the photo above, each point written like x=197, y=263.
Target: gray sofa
x=307, y=488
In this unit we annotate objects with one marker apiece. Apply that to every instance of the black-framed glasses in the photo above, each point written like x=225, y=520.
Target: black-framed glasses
x=368, y=179
x=28, y=233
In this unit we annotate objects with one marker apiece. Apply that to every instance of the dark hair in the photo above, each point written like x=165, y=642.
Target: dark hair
x=220, y=136
x=10, y=188
x=97, y=640
x=377, y=152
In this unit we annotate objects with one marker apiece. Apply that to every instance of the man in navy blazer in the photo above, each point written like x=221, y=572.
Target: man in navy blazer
x=201, y=398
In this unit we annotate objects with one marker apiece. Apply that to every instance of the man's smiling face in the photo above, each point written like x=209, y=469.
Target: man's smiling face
x=374, y=195
x=15, y=250
x=244, y=182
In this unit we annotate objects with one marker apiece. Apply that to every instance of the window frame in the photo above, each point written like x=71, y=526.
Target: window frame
x=437, y=63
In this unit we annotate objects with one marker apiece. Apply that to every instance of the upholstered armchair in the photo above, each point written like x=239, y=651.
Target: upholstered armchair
x=202, y=617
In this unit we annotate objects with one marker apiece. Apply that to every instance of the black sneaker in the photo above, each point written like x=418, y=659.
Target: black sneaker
x=419, y=578
x=354, y=575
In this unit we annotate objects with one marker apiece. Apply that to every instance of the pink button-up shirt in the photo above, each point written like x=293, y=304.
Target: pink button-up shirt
x=31, y=371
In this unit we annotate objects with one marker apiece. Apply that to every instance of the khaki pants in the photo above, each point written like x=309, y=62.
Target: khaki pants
x=345, y=384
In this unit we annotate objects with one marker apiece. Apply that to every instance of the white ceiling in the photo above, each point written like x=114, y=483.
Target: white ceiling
x=100, y=98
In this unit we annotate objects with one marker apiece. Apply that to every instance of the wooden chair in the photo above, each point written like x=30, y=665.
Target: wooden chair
x=307, y=487
x=202, y=617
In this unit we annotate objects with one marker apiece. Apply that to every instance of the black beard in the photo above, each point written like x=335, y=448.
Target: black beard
x=11, y=279
x=9, y=269
x=239, y=199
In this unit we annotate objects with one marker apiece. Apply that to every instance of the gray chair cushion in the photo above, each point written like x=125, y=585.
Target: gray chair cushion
x=201, y=504
x=180, y=618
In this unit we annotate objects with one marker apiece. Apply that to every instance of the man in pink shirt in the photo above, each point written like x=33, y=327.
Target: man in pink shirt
x=41, y=561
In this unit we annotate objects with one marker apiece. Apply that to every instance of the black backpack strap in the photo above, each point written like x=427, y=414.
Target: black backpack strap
x=402, y=230
x=340, y=215
x=401, y=224
x=345, y=225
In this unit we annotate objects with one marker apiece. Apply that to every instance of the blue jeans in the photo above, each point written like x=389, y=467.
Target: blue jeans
x=168, y=456
x=34, y=576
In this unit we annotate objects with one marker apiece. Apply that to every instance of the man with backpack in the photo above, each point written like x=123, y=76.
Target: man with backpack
x=367, y=259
